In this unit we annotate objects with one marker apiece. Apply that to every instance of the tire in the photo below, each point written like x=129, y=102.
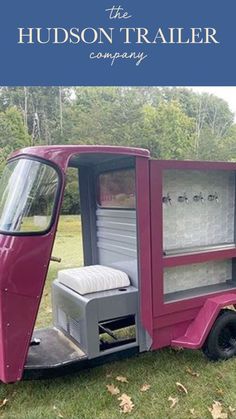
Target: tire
x=221, y=341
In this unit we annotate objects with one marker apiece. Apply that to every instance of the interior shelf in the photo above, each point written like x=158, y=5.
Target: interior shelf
x=199, y=256
x=189, y=256
x=199, y=249
x=198, y=291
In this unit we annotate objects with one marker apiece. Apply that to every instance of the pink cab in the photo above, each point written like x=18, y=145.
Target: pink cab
x=159, y=258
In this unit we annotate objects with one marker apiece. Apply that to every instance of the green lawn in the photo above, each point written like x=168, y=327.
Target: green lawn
x=85, y=396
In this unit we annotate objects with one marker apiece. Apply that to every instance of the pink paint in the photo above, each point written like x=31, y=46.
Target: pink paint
x=175, y=321
x=144, y=241
x=61, y=155
x=24, y=262
x=200, y=327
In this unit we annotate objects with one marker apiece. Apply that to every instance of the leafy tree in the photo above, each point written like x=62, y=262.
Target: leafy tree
x=102, y=116
x=172, y=122
x=71, y=201
x=41, y=108
x=13, y=134
x=167, y=131
x=213, y=121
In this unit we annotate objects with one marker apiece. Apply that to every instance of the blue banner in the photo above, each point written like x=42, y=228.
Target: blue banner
x=122, y=42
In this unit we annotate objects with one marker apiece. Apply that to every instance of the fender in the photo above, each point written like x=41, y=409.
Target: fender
x=200, y=327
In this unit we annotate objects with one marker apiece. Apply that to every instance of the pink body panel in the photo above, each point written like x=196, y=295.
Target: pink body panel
x=61, y=155
x=144, y=242
x=200, y=327
x=17, y=323
x=176, y=320
x=24, y=264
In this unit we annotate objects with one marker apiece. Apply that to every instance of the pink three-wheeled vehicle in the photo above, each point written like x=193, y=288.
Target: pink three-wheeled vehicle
x=159, y=255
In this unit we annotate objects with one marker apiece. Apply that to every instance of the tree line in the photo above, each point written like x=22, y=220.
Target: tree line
x=173, y=123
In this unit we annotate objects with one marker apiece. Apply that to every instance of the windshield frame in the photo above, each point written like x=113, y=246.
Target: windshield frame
x=56, y=202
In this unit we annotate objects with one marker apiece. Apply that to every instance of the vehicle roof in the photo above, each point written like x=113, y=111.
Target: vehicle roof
x=61, y=154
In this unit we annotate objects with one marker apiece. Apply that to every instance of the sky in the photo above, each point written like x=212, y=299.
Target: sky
x=226, y=93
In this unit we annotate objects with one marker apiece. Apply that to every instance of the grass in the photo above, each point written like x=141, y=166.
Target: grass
x=84, y=395
x=68, y=247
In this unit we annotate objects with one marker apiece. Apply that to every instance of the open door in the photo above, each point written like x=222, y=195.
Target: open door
x=30, y=191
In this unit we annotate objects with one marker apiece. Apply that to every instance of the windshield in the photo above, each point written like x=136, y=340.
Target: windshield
x=28, y=191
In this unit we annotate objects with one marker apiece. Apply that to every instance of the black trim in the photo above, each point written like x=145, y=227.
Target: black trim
x=57, y=197
x=88, y=215
x=36, y=373
x=116, y=164
x=118, y=323
x=104, y=345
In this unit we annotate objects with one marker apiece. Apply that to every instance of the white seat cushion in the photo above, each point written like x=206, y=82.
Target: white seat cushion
x=94, y=278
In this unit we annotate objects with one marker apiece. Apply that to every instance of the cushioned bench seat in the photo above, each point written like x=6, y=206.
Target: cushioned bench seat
x=89, y=279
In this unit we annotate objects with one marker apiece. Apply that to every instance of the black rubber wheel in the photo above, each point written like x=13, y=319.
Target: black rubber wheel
x=221, y=341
